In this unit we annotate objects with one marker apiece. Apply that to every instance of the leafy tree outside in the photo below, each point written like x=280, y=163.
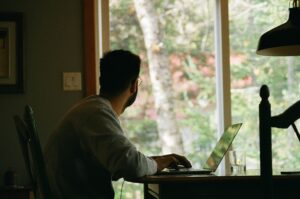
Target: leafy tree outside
x=188, y=29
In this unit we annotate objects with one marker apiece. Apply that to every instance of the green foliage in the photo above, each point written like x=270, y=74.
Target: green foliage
x=273, y=71
x=188, y=37
x=143, y=133
x=125, y=32
x=126, y=190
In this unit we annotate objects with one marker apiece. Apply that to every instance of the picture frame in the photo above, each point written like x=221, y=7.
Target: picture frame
x=11, y=53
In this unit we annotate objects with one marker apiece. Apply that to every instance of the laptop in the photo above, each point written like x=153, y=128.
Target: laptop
x=215, y=157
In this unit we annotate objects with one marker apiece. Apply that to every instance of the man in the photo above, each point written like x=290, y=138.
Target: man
x=89, y=149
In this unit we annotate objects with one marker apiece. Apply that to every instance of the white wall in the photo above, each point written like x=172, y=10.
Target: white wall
x=53, y=43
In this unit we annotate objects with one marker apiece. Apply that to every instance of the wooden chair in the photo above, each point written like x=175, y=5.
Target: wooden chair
x=266, y=123
x=33, y=154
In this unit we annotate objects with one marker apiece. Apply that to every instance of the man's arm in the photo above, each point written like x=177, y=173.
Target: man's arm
x=103, y=137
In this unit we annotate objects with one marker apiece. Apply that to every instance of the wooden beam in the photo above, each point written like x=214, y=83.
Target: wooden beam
x=89, y=34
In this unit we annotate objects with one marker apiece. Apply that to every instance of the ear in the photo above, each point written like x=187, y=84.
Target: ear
x=133, y=86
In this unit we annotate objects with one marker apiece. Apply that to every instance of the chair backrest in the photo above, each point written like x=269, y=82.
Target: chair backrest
x=33, y=153
x=24, y=142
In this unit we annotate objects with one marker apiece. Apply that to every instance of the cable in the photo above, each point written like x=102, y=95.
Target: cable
x=122, y=189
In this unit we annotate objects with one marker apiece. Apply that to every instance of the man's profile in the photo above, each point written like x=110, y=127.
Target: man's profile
x=88, y=148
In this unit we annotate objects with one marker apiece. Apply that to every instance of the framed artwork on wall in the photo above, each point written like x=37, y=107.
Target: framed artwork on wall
x=11, y=53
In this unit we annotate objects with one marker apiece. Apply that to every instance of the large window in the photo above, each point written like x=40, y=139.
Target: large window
x=176, y=110
x=183, y=99
x=182, y=51
x=248, y=20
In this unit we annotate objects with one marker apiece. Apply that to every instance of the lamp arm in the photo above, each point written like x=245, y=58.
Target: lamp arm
x=288, y=117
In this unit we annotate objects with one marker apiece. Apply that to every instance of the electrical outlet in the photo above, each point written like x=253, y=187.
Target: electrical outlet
x=72, y=81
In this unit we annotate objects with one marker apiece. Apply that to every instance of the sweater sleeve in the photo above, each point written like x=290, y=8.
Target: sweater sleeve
x=103, y=137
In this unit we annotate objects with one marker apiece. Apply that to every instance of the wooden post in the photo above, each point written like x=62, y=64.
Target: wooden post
x=265, y=141
x=89, y=36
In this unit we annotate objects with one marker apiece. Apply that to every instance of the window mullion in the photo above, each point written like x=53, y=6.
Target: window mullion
x=222, y=71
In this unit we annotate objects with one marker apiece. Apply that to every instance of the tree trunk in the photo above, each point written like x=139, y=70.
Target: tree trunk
x=160, y=75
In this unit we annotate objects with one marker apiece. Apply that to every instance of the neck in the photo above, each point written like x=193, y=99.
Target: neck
x=117, y=103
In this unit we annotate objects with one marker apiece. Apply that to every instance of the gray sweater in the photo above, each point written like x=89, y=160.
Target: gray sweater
x=88, y=150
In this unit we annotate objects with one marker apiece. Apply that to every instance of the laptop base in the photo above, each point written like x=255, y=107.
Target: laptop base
x=184, y=171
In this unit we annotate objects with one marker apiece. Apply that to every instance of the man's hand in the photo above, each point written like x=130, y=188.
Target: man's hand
x=171, y=161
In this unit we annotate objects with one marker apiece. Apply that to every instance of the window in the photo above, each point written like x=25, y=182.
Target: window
x=187, y=51
x=248, y=21
x=206, y=91
x=181, y=43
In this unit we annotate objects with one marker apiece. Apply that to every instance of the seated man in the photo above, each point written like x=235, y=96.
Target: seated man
x=89, y=149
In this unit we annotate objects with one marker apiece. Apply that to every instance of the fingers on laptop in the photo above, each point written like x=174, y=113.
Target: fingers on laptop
x=179, y=160
x=171, y=161
x=183, y=161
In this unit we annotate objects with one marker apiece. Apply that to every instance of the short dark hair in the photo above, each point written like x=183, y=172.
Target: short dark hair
x=118, y=69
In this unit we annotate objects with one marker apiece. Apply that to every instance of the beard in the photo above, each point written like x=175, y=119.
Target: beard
x=131, y=100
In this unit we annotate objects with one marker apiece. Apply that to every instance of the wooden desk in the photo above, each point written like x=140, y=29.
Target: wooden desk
x=16, y=193
x=213, y=187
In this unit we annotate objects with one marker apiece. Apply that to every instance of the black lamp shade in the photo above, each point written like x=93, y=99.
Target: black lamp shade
x=284, y=40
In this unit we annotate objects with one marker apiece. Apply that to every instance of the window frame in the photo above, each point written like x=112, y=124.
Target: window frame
x=90, y=47
x=223, y=88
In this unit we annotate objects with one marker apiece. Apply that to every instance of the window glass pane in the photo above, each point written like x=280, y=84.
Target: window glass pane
x=248, y=21
x=177, y=97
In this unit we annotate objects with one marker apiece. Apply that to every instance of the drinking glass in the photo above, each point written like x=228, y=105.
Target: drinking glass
x=237, y=161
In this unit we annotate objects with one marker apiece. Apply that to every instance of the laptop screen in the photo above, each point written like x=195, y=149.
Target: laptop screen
x=222, y=147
